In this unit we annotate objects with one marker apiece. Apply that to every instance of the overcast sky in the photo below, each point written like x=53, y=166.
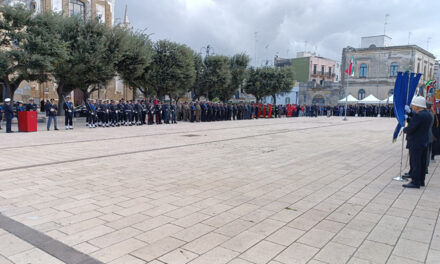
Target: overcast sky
x=284, y=26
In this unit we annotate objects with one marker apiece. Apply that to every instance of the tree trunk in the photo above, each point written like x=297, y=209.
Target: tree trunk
x=274, y=99
x=60, y=92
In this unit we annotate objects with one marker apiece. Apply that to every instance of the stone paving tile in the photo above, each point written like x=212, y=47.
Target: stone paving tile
x=297, y=253
x=36, y=256
x=262, y=252
x=335, y=253
x=231, y=191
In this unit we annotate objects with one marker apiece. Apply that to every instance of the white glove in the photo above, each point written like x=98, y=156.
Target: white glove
x=407, y=109
x=406, y=116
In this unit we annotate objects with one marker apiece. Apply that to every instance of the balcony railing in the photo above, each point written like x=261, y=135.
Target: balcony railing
x=325, y=74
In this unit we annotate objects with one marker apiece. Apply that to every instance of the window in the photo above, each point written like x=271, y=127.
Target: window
x=321, y=82
x=390, y=92
x=424, y=73
x=329, y=71
x=314, y=68
x=394, y=68
x=77, y=8
x=287, y=100
x=361, y=94
x=363, y=70
x=322, y=70
x=418, y=67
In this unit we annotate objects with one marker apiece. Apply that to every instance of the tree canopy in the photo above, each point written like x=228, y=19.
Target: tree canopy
x=85, y=54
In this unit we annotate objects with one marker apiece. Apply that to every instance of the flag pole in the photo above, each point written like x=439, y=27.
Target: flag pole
x=399, y=178
x=346, y=99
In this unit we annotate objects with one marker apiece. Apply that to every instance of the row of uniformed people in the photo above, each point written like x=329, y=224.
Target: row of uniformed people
x=109, y=113
x=209, y=112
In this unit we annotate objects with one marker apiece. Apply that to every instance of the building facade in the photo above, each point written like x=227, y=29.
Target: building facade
x=312, y=93
x=89, y=9
x=377, y=64
x=318, y=78
x=311, y=68
x=437, y=73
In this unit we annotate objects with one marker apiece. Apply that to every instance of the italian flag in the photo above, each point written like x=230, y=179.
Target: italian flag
x=350, y=70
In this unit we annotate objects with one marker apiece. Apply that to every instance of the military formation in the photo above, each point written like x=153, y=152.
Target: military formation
x=109, y=113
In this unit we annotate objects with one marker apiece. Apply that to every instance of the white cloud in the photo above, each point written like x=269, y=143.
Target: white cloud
x=284, y=26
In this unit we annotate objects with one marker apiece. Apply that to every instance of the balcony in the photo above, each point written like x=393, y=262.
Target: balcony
x=323, y=75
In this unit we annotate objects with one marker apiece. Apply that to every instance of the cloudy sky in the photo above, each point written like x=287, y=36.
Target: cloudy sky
x=284, y=27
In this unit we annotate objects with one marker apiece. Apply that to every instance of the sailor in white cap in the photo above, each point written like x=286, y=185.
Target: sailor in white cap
x=31, y=106
x=68, y=113
x=9, y=114
x=418, y=139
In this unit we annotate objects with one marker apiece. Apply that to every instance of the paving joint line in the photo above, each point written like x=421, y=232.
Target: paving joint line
x=170, y=147
x=45, y=243
x=390, y=206
x=143, y=135
x=345, y=224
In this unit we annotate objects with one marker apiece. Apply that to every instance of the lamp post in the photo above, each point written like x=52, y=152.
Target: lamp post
x=347, y=49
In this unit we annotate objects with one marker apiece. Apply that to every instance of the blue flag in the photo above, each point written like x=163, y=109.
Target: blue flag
x=403, y=96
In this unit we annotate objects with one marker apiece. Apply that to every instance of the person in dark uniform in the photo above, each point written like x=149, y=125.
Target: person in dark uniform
x=42, y=108
x=91, y=113
x=51, y=112
x=68, y=113
x=150, y=113
x=173, y=108
x=157, y=110
x=417, y=136
x=31, y=106
x=9, y=115
x=1, y=116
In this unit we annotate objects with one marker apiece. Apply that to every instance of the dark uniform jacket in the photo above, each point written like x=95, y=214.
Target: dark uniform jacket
x=417, y=130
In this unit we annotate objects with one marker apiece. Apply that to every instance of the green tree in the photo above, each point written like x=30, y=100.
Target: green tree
x=238, y=66
x=281, y=83
x=172, y=69
x=199, y=87
x=30, y=46
x=135, y=56
x=218, y=77
x=255, y=84
x=92, y=57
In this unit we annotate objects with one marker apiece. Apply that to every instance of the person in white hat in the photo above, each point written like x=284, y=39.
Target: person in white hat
x=68, y=113
x=417, y=136
x=9, y=114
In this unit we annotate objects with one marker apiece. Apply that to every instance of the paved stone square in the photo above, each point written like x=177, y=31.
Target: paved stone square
x=276, y=191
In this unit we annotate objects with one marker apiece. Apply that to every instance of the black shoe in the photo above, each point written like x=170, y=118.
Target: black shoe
x=406, y=177
x=10, y=132
x=411, y=185
x=407, y=174
x=56, y=129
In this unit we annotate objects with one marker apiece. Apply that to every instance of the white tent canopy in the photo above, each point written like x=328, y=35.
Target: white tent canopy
x=389, y=100
x=350, y=99
x=371, y=99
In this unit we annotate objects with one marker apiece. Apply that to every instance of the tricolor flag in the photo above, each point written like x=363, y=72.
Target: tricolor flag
x=350, y=70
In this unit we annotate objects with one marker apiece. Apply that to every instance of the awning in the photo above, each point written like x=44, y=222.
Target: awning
x=350, y=99
x=371, y=99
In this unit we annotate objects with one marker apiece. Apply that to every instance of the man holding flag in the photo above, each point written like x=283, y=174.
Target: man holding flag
x=417, y=136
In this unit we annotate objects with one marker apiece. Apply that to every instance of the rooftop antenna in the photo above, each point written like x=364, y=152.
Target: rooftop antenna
x=385, y=24
x=409, y=37
x=305, y=47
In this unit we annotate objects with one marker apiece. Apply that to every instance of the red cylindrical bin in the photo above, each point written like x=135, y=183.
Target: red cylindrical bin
x=27, y=121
